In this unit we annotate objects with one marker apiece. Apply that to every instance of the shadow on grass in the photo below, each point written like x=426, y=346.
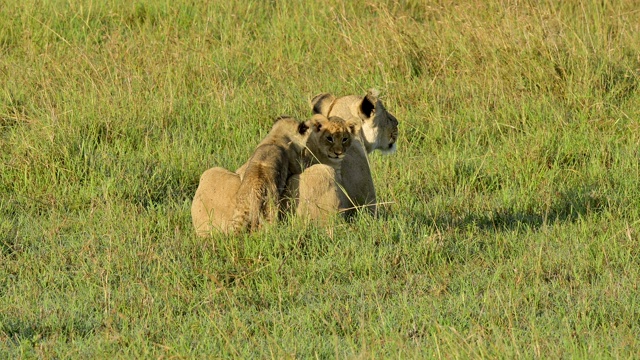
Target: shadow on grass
x=567, y=206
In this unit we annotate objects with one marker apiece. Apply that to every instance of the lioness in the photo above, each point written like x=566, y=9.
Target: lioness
x=378, y=131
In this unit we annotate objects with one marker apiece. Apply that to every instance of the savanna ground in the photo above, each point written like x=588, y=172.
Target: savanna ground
x=513, y=214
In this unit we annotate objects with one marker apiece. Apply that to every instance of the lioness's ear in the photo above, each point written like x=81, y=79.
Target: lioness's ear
x=368, y=105
x=321, y=103
x=317, y=122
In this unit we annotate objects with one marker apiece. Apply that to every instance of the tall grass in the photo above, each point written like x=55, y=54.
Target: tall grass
x=512, y=228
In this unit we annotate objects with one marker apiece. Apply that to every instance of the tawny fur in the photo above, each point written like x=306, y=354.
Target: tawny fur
x=265, y=174
x=328, y=142
x=378, y=131
x=215, y=201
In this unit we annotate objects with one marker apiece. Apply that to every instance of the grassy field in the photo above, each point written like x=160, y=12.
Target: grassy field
x=513, y=220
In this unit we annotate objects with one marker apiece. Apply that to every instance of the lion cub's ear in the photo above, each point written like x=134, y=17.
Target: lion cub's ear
x=321, y=103
x=354, y=126
x=317, y=122
x=303, y=127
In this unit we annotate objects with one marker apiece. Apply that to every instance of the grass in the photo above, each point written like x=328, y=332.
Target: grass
x=514, y=221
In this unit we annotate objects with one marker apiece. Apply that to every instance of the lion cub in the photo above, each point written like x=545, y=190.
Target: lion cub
x=289, y=147
x=328, y=141
x=326, y=146
x=265, y=174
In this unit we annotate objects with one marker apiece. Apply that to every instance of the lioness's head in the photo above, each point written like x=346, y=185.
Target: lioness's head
x=379, y=127
x=330, y=138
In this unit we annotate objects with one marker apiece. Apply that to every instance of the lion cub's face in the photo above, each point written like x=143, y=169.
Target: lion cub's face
x=330, y=138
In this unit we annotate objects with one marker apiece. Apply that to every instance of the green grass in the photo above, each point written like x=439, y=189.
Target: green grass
x=514, y=216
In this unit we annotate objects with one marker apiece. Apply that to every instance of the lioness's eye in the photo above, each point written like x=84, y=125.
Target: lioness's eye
x=344, y=140
x=330, y=139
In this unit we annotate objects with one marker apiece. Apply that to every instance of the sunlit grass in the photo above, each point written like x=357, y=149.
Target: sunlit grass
x=510, y=223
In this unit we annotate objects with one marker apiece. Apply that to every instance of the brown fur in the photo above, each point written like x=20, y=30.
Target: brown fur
x=265, y=174
x=329, y=140
x=326, y=147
